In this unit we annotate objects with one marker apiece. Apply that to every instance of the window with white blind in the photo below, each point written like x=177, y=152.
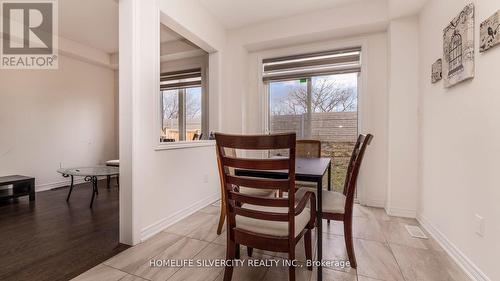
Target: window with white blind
x=316, y=96
x=182, y=104
x=313, y=64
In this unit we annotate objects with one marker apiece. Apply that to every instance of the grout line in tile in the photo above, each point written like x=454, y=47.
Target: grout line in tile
x=397, y=262
x=369, y=277
x=365, y=239
x=127, y=273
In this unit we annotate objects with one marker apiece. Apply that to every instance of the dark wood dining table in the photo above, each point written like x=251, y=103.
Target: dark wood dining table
x=306, y=170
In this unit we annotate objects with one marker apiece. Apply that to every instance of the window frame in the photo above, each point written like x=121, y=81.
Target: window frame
x=263, y=87
x=201, y=62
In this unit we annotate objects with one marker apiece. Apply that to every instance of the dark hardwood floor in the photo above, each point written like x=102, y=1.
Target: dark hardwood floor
x=50, y=239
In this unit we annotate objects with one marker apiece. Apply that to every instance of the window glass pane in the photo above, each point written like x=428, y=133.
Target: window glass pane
x=287, y=106
x=193, y=112
x=170, y=112
x=335, y=120
x=335, y=93
x=326, y=112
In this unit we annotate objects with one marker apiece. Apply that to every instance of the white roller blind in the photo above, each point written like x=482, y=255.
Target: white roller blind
x=346, y=60
x=180, y=79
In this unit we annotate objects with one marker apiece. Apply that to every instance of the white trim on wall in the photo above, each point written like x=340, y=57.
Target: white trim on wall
x=373, y=203
x=57, y=184
x=453, y=251
x=185, y=144
x=164, y=223
x=401, y=212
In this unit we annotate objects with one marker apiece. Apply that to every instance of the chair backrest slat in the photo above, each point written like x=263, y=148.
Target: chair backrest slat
x=257, y=183
x=260, y=164
x=256, y=142
x=269, y=216
x=254, y=200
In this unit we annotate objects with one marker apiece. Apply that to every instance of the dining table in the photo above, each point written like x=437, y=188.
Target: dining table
x=306, y=170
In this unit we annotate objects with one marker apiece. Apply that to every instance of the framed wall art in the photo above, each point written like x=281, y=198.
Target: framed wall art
x=437, y=71
x=490, y=32
x=458, y=48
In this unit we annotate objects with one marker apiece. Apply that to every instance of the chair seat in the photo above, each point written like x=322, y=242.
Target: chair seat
x=258, y=192
x=274, y=228
x=332, y=201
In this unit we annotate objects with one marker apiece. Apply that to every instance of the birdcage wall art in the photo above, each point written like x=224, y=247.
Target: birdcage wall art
x=458, y=48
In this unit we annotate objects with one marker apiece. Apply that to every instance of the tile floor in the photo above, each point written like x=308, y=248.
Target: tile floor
x=384, y=250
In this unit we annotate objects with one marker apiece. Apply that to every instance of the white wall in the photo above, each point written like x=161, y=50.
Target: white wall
x=402, y=187
x=53, y=117
x=163, y=185
x=460, y=144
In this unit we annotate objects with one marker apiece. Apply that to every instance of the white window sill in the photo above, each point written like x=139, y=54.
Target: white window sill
x=184, y=144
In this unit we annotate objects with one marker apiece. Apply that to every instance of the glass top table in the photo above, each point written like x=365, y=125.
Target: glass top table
x=90, y=171
x=89, y=174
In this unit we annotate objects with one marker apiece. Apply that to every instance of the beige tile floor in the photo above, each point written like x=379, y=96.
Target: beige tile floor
x=384, y=250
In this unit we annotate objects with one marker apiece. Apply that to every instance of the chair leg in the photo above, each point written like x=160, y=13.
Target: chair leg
x=308, y=247
x=70, y=189
x=237, y=252
x=249, y=251
x=291, y=268
x=348, y=241
x=221, y=219
x=230, y=255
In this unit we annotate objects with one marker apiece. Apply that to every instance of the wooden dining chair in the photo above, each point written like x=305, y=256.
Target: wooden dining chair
x=272, y=224
x=339, y=206
x=308, y=148
x=231, y=152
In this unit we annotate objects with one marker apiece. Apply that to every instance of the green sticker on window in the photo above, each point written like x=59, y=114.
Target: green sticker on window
x=303, y=80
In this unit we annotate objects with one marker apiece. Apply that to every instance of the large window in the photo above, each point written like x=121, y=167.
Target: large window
x=317, y=98
x=182, y=106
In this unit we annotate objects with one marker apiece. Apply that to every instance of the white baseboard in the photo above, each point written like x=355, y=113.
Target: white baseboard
x=373, y=203
x=162, y=224
x=399, y=212
x=49, y=186
x=456, y=254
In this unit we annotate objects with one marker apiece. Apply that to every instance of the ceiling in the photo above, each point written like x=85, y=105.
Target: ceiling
x=95, y=22
x=92, y=23
x=239, y=13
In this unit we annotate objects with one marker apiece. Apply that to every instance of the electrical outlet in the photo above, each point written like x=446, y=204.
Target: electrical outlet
x=479, y=225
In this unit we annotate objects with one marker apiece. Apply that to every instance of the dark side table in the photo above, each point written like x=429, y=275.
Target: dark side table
x=21, y=186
